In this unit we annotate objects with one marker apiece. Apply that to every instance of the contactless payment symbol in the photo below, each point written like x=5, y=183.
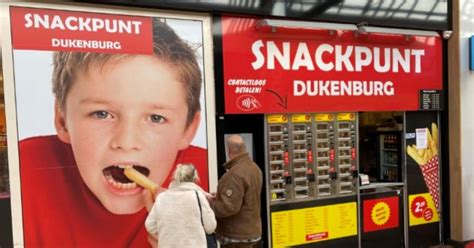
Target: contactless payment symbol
x=248, y=103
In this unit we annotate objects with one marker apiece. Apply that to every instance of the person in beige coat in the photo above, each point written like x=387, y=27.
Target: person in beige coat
x=175, y=217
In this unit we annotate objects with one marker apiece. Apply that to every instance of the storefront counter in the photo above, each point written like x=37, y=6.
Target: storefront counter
x=382, y=215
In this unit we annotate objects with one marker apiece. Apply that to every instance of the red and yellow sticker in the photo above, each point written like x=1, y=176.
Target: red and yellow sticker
x=380, y=214
x=422, y=209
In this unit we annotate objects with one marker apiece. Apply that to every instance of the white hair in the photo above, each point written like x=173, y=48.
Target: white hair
x=185, y=173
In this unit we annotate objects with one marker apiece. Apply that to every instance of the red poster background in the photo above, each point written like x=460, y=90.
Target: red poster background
x=393, y=220
x=276, y=96
x=41, y=38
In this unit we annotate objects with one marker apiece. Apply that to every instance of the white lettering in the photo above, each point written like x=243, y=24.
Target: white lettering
x=343, y=58
x=363, y=57
x=282, y=57
x=377, y=59
x=302, y=58
x=73, y=23
x=342, y=88
x=418, y=53
x=259, y=58
x=299, y=88
x=94, y=44
x=319, y=57
x=328, y=57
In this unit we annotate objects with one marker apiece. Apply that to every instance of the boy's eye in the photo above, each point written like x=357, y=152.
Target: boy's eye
x=101, y=114
x=157, y=118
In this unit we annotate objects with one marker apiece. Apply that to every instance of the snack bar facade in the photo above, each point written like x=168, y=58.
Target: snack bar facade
x=350, y=124
x=347, y=122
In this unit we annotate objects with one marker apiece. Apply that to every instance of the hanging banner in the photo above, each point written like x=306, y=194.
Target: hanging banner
x=281, y=70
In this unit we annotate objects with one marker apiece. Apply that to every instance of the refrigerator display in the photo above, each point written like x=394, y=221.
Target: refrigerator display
x=389, y=156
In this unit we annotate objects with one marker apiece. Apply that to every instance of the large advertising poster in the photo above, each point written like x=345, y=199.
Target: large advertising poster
x=98, y=94
x=290, y=70
x=423, y=178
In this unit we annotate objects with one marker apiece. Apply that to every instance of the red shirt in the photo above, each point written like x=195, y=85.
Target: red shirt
x=60, y=211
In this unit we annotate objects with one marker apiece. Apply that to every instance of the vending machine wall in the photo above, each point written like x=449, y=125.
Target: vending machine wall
x=312, y=178
x=280, y=185
x=312, y=183
x=301, y=144
x=347, y=153
x=325, y=159
x=311, y=156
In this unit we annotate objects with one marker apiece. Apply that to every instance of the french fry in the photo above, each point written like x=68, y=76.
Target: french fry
x=420, y=152
x=425, y=157
x=429, y=136
x=434, y=148
x=434, y=131
x=429, y=154
x=140, y=179
x=434, y=143
x=414, y=155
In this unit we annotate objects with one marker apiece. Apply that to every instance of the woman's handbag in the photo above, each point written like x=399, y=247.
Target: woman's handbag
x=210, y=238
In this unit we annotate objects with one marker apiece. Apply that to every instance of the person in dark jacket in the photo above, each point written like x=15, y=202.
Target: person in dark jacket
x=237, y=201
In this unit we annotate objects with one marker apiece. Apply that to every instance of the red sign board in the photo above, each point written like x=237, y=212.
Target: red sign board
x=380, y=214
x=56, y=30
x=285, y=70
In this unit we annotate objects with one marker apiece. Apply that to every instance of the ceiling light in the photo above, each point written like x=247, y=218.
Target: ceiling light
x=410, y=32
x=305, y=25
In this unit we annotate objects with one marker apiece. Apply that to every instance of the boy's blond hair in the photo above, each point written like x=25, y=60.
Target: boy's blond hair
x=167, y=45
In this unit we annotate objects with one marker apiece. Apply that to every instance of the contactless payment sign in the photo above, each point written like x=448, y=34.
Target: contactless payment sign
x=380, y=214
x=56, y=30
x=285, y=70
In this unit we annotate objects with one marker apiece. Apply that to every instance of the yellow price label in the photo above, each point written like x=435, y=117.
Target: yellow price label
x=323, y=117
x=277, y=118
x=301, y=118
x=346, y=116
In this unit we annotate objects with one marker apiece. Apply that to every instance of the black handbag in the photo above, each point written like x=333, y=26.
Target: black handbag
x=210, y=238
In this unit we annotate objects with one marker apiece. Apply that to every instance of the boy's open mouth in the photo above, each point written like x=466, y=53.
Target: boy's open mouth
x=115, y=173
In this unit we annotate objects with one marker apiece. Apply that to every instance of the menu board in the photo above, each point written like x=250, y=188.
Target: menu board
x=308, y=225
x=431, y=100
